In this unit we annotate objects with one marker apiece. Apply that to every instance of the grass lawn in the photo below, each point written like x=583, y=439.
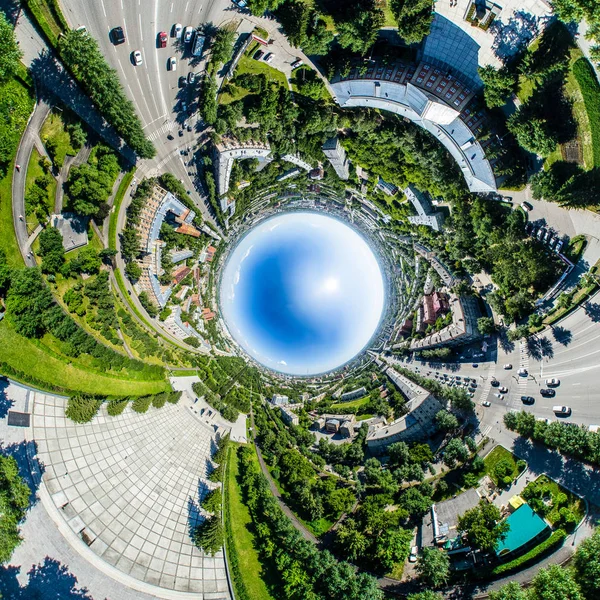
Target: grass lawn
x=248, y=573
x=54, y=130
x=351, y=404
x=31, y=358
x=574, y=503
x=248, y=65
x=497, y=455
x=35, y=170
x=114, y=215
x=182, y=373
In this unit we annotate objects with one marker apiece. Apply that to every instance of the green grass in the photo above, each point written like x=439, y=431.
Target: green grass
x=114, y=215
x=248, y=575
x=351, y=404
x=494, y=457
x=590, y=91
x=248, y=65
x=35, y=170
x=182, y=373
x=54, y=129
x=574, y=503
x=38, y=361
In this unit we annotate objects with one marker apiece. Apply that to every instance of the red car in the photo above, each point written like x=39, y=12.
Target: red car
x=162, y=39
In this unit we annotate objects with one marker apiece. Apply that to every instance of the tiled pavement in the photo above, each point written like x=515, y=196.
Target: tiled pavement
x=129, y=486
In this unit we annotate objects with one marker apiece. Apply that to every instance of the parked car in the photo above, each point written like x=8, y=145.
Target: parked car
x=486, y=403
x=187, y=35
x=547, y=393
x=162, y=39
x=526, y=206
x=117, y=36
x=562, y=411
x=495, y=383
x=258, y=55
x=177, y=30
x=137, y=58
x=172, y=64
x=182, y=81
x=269, y=57
x=527, y=399
x=297, y=63
x=414, y=551
x=503, y=389
x=191, y=77
x=507, y=367
x=522, y=372
x=554, y=382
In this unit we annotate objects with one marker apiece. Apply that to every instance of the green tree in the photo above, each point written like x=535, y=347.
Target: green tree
x=51, y=250
x=532, y=133
x=425, y=595
x=221, y=48
x=499, y=85
x=133, y=271
x=455, y=452
x=482, y=526
x=486, y=325
x=87, y=261
x=27, y=301
x=207, y=102
x=510, y=591
x=209, y=535
x=14, y=500
x=535, y=320
x=351, y=541
x=433, y=567
x=360, y=27
x=446, y=421
x=392, y=547
x=212, y=501
x=82, y=408
x=555, y=583
x=414, y=18
x=116, y=407
x=587, y=565
x=141, y=404
x=10, y=53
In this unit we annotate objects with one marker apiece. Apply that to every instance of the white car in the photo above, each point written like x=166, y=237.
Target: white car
x=172, y=64
x=187, y=35
x=486, y=403
x=522, y=372
x=594, y=428
x=507, y=367
x=177, y=29
x=414, y=551
x=137, y=58
x=269, y=57
x=503, y=390
x=563, y=411
x=553, y=382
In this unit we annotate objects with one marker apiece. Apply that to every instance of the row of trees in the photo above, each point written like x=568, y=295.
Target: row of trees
x=82, y=408
x=83, y=57
x=568, y=438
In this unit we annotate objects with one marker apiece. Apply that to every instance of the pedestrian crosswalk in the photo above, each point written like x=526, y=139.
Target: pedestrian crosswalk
x=163, y=130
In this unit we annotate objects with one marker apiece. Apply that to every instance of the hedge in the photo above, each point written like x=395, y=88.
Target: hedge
x=20, y=376
x=555, y=540
x=590, y=90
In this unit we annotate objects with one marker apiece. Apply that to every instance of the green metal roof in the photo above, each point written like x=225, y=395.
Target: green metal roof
x=524, y=525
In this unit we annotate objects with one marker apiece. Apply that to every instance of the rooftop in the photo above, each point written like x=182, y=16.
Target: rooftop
x=524, y=526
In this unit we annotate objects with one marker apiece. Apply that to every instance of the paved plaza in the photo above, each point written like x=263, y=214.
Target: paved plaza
x=128, y=487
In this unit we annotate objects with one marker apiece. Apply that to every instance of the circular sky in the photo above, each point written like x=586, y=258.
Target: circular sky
x=302, y=293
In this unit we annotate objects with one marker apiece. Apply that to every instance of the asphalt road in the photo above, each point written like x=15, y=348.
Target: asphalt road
x=569, y=351
x=152, y=87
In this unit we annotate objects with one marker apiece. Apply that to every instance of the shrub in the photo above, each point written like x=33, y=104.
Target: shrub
x=116, y=407
x=209, y=535
x=521, y=465
x=555, y=540
x=217, y=474
x=212, y=501
x=158, y=400
x=82, y=408
x=141, y=404
x=173, y=397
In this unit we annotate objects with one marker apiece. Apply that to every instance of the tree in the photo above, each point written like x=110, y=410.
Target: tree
x=360, y=27
x=446, y=421
x=5, y=274
x=535, y=320
x=82, y=408
x=555, y=583
x=221, y=48
x=486, y=325
x=587, y=565
x=433, y=567
x=208, y=100
x=426, y=595
x=107, y=255
x=499, y=85
x=133, y=271
x=51, y=250
x=415, y=503
x=510, y=591
x=350, y=540
x=14, y=499
x=532, y=133
x=212, y=501
x=482, y=527
x=518, y=333
x=455, y=452
x=27, y=301
x=87, y=261
x=414, y=18
x=391, y=547
x=141, y=404
x=209, y=535
x=10, y=54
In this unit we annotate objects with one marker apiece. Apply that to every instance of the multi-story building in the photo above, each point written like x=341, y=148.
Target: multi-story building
x=231, y=149
x=336, y=154
x=352, y=395
x=288, y=416
x=278, y=400
x=418, y=424
x=425, y=213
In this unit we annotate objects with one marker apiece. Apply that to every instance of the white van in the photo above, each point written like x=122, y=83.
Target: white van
x=564, y=411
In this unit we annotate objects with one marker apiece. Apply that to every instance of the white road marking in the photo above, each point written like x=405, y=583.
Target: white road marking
x=186, y=6
x=171, y=7
x=576, y=383
x=122, y=7
x=103, y=9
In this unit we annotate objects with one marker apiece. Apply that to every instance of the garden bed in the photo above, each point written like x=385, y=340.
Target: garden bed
x=502, y=466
